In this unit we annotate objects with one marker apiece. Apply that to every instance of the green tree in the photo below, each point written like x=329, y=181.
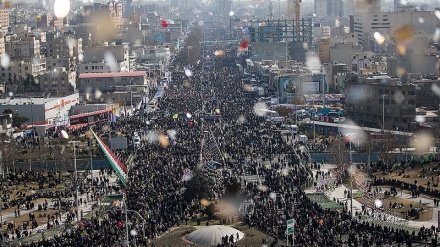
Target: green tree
x=17, y=120
x=210, y=211
x=199, y=187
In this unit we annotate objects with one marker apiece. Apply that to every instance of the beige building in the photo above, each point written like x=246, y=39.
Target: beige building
x=4, y=19
x=344, y=52
x=105, y=59
x=106, y=82
x=369, y=98
x=23, y=47
x=21, y=68
x=58, y=82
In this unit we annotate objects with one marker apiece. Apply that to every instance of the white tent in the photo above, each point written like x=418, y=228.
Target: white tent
x=212, y=235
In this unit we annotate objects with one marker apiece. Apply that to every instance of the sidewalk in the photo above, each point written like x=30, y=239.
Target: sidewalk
x=338, y=193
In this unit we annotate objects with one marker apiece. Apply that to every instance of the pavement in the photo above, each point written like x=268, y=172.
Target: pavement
x=84, y=207
x=338, y=193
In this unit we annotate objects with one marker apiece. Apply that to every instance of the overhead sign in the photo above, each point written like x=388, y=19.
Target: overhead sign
x=290, y=226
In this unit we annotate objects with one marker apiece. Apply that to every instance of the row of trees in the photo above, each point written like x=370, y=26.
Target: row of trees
x=28, y=84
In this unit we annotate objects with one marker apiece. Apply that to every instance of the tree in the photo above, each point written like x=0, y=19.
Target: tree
x=17, y=120
x=193, y=46
x=283, y=111
x=210, y=210
x=198, y=187
x=337, y=148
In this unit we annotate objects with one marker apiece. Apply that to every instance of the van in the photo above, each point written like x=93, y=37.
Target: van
x=292, y=128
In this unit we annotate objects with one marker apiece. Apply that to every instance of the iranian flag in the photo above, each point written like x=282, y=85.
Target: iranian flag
x=117, y=165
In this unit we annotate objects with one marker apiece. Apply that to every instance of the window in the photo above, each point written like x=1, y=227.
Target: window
x=380, y=101
x=392, y=92
x=410, y=92
x=380, y=91
x=411, y=102
x=86, y=67
x=403, y=92
x=387, y=102
x=387, y=92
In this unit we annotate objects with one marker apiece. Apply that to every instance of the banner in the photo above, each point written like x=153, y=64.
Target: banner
x=117, y=165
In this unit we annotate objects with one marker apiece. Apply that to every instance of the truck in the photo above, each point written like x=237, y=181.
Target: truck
x=303, y=139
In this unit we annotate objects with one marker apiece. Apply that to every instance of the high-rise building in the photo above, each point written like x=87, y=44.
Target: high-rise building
x=4, y=19
x=320, y=8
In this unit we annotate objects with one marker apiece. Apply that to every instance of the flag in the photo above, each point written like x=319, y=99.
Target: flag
x=117, y=165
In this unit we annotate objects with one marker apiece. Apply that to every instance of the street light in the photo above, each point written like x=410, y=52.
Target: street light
x=32, y=117
x=131, y=93
x=66, y=136
x=383, y=111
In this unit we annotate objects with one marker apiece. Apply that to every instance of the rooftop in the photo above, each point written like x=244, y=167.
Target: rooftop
x=112, y=74
x=27, y=101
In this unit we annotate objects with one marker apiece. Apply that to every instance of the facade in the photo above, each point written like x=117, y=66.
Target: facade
x=106, y=82
x=4, y=19
x=58, y=82
x=369, y=98
x=320, y=8
x=366, y=23
x=344, y=52
x=105, y=59
x=41, y=110
x=425, y=95
x=21, y=69
x=23, y=47
x=112, y=10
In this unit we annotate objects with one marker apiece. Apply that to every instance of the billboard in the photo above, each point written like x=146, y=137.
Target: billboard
x=311, y=87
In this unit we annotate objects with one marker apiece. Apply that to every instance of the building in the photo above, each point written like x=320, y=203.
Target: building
x=21, y=69
x=276, y=38
x=321, y=8
x=6, y=123
x=112, y=10
x=58, y=81
x=107, y=82
x=425, y=90
x=18, y=47
x=344, y=52
x=367, y=23
x=105, y=59
x=370, y=98
x=4, y=19
x=41, y=111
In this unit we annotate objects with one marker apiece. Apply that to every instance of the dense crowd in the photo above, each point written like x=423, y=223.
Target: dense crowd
x=248, y=146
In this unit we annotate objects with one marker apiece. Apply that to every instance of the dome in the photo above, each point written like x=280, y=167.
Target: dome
x=212, y=235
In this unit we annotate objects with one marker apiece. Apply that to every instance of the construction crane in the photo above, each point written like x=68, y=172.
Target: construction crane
x=297, y=17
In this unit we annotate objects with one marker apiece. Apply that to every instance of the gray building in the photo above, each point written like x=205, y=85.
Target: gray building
x=369, y=98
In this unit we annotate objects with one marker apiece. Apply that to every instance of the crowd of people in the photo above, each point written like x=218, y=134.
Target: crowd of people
x=245, y=144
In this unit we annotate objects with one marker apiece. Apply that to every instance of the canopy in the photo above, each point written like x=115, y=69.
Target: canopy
x=212, y=235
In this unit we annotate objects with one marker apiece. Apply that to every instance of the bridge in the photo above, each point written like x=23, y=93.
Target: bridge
x=355, y=127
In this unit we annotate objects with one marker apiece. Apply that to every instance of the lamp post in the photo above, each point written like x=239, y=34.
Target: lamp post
x=383, y=111
x=131, y=93
x=32, y=117
x=351, y=184
x=66, y=136
x=76, y=181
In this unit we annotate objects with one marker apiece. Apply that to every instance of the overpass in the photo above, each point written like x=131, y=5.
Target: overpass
x=339, y=126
